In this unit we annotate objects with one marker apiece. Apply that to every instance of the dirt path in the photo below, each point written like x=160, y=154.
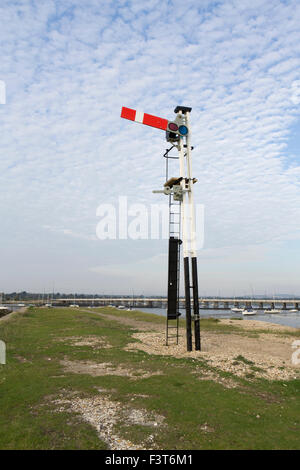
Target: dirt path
x=136, y=324
x=11, y=315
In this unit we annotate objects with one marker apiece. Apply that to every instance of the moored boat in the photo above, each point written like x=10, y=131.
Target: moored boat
x=249, y=311
x=272, y=310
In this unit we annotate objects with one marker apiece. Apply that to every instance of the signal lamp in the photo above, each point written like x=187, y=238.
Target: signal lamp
x=183, y=130
x=175, y=130
x=172, y=126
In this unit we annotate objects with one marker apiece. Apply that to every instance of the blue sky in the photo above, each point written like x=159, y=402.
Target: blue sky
x=69, y=67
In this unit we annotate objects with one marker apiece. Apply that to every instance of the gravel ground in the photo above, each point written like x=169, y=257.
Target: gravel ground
x=95, y=341
x=269, y=354
x=103, y=414
x=105, y=368
x=257, y=325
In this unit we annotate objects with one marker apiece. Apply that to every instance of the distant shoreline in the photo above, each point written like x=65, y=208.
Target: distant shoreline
x=288, y=321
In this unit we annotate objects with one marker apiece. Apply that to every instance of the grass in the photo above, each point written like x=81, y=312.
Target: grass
x=241, y=358
x=33, y=377
x=211, y=324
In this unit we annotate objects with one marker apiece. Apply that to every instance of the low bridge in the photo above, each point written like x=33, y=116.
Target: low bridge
x=158, y=302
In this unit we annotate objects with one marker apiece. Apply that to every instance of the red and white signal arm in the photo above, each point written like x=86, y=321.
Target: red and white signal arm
x=144, y=118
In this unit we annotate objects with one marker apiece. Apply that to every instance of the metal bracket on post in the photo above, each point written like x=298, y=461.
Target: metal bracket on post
x=167, y=191
x=176, y=192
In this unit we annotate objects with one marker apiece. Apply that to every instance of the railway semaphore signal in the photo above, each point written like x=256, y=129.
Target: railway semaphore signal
x=182, y=224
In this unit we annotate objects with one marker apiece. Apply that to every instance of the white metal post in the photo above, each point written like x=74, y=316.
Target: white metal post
x=193, y=248
x=189, y=235
x=184, y=195
x=185, y=235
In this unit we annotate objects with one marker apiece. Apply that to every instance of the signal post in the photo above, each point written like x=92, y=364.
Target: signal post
x=179, y=189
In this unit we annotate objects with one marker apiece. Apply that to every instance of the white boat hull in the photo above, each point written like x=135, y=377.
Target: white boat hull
x=249, y=313
x=272, y=311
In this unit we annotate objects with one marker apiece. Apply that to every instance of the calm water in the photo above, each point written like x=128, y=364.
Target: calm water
x=13, y=307
x=288, y=319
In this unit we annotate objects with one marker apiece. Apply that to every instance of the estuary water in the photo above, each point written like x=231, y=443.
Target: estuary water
x=284, y=318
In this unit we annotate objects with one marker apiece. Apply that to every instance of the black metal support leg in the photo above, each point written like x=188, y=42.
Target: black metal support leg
x=196, y=305
x=173, y=279
x=188, y=304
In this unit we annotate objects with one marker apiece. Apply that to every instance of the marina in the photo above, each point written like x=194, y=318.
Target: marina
x=287, y=319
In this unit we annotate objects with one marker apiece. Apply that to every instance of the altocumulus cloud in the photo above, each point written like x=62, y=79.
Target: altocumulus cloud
x=70, y=66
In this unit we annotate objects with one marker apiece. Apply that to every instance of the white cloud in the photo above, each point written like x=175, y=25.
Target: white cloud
x=70, y=233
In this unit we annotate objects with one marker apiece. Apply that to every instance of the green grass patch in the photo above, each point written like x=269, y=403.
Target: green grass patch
x=207, y=324
x=198, y=414
x=243, y=359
